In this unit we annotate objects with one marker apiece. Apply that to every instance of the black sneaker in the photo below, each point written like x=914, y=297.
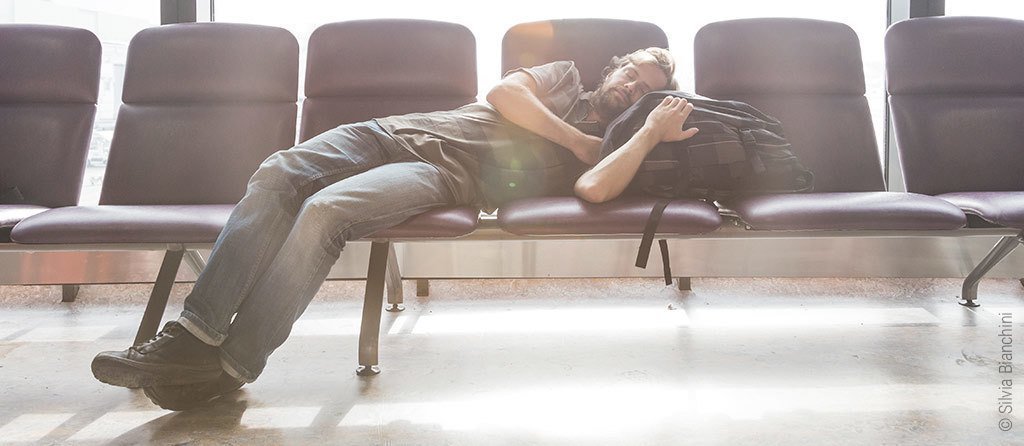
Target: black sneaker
x=173, y=356
x=190, y=396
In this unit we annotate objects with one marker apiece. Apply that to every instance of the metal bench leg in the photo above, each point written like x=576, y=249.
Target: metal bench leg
x=422, y=287
x=1005, y=246
x=69, y=293
x=158, y=298
x=683, y=283
x=394, y=282
x=373, y=300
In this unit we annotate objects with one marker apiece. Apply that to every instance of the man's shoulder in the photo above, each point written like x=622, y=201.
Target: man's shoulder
x=558, y=66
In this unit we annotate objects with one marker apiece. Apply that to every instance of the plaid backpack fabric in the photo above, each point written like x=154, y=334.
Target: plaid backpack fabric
x=738, y=151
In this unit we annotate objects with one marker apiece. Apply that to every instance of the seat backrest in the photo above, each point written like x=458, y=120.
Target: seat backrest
x=364, y=69
x=49, y=81
x=956, y=87
x=590, y=43
x=204, y=105
x=809, y=75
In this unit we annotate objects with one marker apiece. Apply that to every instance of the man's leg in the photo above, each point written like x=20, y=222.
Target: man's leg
x=254, y=233
x=347, y=210
x=350, y=209
x=262, y=220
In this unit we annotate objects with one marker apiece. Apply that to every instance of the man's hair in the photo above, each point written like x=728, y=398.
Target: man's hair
x=662, y=58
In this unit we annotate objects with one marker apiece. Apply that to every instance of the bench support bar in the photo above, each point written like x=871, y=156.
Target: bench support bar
x=69, y=293
x=373, y=301
x=394, y=282
x=158, y=298
x=683, y=283
x=1004, y=247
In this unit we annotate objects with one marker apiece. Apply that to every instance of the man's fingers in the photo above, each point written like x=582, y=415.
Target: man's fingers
x=687, y=108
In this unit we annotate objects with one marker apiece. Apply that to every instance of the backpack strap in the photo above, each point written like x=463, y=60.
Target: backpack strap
x=663, y=244
x=750, y=145
x=648, y=239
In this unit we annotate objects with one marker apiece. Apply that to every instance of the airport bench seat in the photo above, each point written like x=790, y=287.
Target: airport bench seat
x=1000, y=208
x=113, y=224
x=628, y=215
x=847, y=211
x=148, y=224
x=11, y=214
x=49, y=84
x=446, y=222
x=956, y=92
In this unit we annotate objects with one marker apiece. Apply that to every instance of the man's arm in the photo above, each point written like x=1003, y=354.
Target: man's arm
x=609, y=178
x=515, y=97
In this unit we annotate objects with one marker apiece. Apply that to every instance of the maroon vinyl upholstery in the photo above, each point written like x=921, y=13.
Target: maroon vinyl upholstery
x=445, y=222
x=591, y=43
x=127, y=224
x=627, y=215
x=204, y=105
x=956, y=88
x=365, y=69
x=49, y=81
x=809, y=75
x=1001, y=208
x=848, y=211
x=11, y=214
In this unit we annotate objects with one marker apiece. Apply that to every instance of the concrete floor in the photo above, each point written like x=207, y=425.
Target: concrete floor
x=559, y=362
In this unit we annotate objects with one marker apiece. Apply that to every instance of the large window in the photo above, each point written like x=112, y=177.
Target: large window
x=489, y=21
x=114, y=22
x=993, y=8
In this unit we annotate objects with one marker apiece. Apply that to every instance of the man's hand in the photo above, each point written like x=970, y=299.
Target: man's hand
x=665, y=122
x=611, y=175
x=587, y=149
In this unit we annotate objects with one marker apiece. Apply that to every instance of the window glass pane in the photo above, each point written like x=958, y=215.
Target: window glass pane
x=993, y=8
x=489, y=21
x=114, y=22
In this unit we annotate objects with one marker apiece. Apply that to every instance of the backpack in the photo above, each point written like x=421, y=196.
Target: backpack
x=738, y=151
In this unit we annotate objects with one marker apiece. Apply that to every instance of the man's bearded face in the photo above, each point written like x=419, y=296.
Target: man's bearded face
x=624, y=86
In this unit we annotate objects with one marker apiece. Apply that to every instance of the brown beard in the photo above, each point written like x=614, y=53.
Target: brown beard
x=605, y=105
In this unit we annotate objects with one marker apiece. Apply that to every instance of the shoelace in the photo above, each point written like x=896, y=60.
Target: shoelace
x=158, y=335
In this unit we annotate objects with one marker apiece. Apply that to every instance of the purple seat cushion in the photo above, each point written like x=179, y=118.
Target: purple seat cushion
x=627, y=215
x=11, y=214
x=436, y=223
x=194, y=224
x=848, y=211
x=1001, y=208
x=125, y=224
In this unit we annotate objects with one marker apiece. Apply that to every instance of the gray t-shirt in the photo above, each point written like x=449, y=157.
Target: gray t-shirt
x=458, y=141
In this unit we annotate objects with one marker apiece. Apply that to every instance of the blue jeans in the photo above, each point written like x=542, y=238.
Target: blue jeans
x=286, y=233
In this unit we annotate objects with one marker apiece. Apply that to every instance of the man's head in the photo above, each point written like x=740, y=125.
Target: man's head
x=629, y=77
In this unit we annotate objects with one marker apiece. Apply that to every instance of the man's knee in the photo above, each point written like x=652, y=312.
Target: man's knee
x=327, y=218
x=274, y=174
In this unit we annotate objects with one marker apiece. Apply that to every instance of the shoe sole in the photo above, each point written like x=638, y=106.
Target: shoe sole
x=131, y=374
x=169, y=403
